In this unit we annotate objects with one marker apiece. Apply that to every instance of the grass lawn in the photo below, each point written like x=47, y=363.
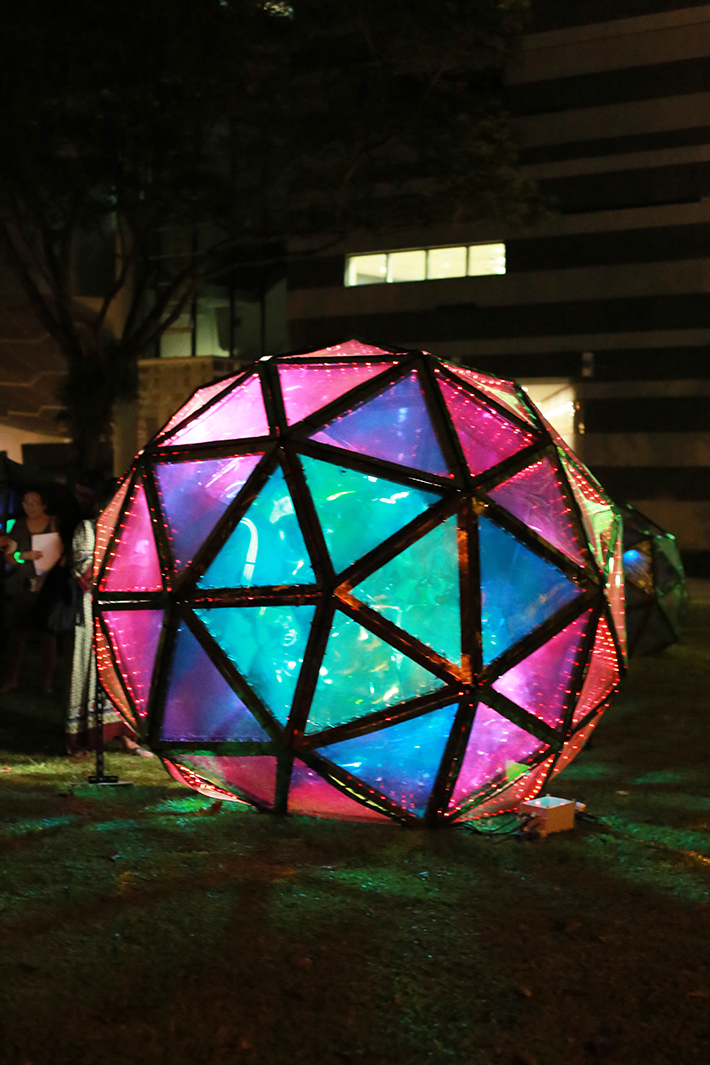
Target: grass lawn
x=145, y=925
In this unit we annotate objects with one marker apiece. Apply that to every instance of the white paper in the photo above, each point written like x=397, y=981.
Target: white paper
x=50, y=544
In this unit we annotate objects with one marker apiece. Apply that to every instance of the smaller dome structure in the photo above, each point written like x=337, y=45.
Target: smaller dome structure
x=654, y=582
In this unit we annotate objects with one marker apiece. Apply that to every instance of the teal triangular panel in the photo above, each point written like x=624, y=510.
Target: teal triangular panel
x=267, y=546
x=519, y=590
x=400, y=761
x=419, y=590
x=266, y=644
x=393, y=425
x=361, y=674
x=357, y=511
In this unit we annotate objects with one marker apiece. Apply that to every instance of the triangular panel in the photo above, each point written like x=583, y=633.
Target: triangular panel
x=134, y=566
x=394, y=425
x=134, y=638
x=597, y=514
x=497, y=753
x=308, y=387
x=201, y=396
x=348, y=348
x=418, y=590
x=401, y=761
x=361, y=674
x=486, y=437
x=266, y=644
x=525, y=787
x=105, y=525
x=267, y=546
x=519, y=590
x=240, y=414
x=615, y=592
x=357, y=511
x=310, y=794
x=195, y=495
x=536, y=497
x=541, y=683
x=503, y=392
x=109, y=674
x=602, y=674
x=199, y=704
x=252, y=777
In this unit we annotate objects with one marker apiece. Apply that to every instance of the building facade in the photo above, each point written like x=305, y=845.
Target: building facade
x=605, y=309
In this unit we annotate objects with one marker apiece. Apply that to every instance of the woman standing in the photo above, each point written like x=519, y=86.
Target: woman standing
x=24, y=586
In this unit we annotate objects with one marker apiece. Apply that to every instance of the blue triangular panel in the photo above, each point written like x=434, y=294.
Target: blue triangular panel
x=400, y=761
x=519, y=590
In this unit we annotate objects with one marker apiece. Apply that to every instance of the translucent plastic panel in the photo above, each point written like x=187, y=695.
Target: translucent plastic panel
x=350, y=347
x=195, y=495
x=201, y=396
x=669, y=567
x=134, y=638
x=637, y=566
x=239, y=415
x=519, y=590
x=597, y=514
x=253, y=777
x=200, y=705
x=497, y=754
x=267, y=546
x=394, y=426
x=401, y=761
x=536, y=497
x=574, y=745
x=183, y=775
x=615, y=591
x=310, y=794
x=419, y=591
x=525, y=787
x=308, y=387
x=361, y=674
x=503, y=392
x=486, y=437
x=602, y=675
x=541, y=683
x=105, y=525
x=109, y=675
x=134, y=566
x=356, y=511
x=266, y=644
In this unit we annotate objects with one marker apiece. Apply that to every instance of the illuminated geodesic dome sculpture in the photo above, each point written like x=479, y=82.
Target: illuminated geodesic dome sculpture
x=656, y=590
x=361, y=583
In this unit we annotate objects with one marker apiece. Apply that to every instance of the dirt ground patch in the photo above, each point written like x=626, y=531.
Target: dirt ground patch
x=145, y=925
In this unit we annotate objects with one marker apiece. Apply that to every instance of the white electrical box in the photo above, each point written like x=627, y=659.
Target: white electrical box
x=550, y=814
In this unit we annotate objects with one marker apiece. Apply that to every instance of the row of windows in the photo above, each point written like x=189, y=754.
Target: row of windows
x=425, y=264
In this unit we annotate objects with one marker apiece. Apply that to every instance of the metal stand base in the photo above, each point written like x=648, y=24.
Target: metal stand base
x=99, y=776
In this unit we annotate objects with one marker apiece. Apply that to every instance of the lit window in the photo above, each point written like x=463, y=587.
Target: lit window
x=425, y=264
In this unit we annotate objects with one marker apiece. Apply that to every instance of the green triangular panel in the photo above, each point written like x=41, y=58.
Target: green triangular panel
x=419, y=591
x=266, y=644
x=267, y=546
x=361, y=674
x=357, y=511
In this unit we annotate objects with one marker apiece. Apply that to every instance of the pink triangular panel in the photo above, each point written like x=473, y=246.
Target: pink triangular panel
x=503, y=392
x=309, y=386
x=527, y=787
x=495, y=753
x=134, y=565
x=602, y=674
x=253, y=777
x=240, y=414
x=109, y=676
x=310, y=794
x=574, y=745
x=541, y=683
x=134, y=639
x=535, y=496
x=201, y=396
x=105, y=525
x=183, y=775
x=487, y=438
x=347, y=348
